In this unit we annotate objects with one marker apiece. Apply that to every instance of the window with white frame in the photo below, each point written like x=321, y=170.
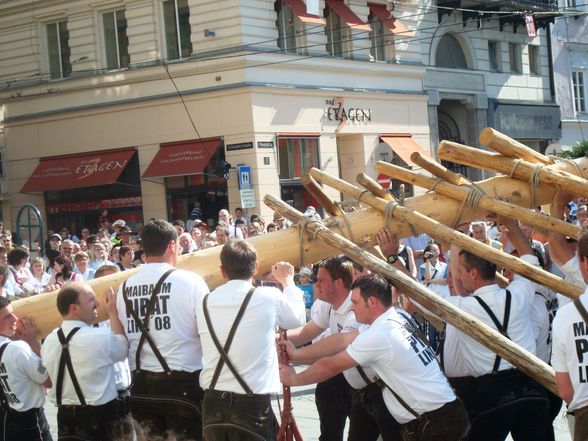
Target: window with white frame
x=116, y=42
x=286, y=24
x=571, y=4
x=579, y=90
x=58, y=50
x=534, y=60
x=176, y=21
x=379, y=38
x=515, y=56
x=495, y=59
x=336, y=31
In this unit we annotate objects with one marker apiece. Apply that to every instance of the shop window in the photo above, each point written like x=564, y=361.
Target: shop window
x=534, y=60
x=395, y=183
x=58, y=50
x=297, y=156
x=176, y=20
x=572, y=4
x=579, y=90
x=494, y=56
x=380, y=38
x=336, y=31
x=450, y=53
x=515, y=57
x=286, y=25
x=116, y=42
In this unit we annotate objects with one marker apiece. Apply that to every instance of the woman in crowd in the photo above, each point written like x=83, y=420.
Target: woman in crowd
x=125, y=258
x=19, y=275
x=62, y=271
x=98, y=256
x=40, y=278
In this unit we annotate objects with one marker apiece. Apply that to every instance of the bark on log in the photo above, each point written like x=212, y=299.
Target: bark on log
x=372, y=186
x=437, y=169
x=473, y=327
x=319, y=194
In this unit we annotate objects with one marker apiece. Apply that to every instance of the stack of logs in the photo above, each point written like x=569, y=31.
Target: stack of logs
x=528, y=178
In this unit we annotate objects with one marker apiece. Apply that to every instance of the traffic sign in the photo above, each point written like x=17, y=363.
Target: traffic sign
x=384, y=181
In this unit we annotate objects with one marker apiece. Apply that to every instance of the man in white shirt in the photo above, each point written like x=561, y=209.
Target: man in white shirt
x=80, y=359
x=234, y=318
x=332, y=396
x=499, y=398
x=415, y=390
x=570, y=351
x=23, y=378
x=157, y=306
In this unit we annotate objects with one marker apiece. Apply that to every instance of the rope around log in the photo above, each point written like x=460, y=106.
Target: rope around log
x=472, y=200
x=302, y=226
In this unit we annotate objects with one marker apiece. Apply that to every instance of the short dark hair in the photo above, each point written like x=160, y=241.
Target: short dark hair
x=487, y=269
x=238, y=259
x=68, y=295
x=124, y=249
x=374, y=285
x=156, y=236
x=179, y=223
x=16, y=255
x=4, y=302
x=339, y=267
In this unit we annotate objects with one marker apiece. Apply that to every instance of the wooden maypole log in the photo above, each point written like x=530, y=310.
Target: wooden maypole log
x=447, y=234
x=511, y=148
x=517, y=356
x=562, y=175
x=488, y=203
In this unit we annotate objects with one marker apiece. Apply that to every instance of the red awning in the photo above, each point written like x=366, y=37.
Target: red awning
x=403, y=146
x=347, y=15
x=299, y=9
x=78, y=171
x=182, y=158
x=392, y=24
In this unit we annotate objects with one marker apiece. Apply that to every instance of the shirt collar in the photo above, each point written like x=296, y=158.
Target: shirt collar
x=390, y=313
x=345, y=307
x=70, y=324
x=3, y=339
x=486, y=289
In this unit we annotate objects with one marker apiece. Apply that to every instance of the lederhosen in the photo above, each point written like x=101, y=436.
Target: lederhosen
x=168, y=400
x=83, y=421
x=250, y=415
x=29, y=425
x=499, y=389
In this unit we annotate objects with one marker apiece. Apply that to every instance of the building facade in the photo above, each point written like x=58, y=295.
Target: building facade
x=570, y=54
x=138, y=107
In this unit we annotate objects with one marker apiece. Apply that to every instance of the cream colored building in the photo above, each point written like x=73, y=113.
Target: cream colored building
x=277, y=86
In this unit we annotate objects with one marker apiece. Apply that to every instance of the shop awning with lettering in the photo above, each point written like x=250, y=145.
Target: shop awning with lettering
x=182, y=158
x=403, y=145
x=347, y=15
x=78, y=171
x=299, y=9
x=391, y=23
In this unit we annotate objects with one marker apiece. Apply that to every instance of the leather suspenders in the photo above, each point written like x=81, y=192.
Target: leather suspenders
x=143, y=325
x=223, y=351
x=65, y=361
x=502, y=328
x=3, y=400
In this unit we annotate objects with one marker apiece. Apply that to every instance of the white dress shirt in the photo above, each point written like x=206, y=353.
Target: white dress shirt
x=93, y=352
x=464, y=356
x=253, y=351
